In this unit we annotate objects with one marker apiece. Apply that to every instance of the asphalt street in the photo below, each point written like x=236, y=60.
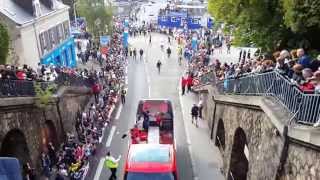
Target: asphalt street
x=145, y=82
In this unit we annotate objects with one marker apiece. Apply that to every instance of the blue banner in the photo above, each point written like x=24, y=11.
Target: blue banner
x=125, y=38
x=194, y=43
x=104, y=40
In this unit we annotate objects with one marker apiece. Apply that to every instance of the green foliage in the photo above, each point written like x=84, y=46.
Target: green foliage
x=44, y=93
x=4, y=44
x=95, y=11
x=300, y=15
x=270, y=24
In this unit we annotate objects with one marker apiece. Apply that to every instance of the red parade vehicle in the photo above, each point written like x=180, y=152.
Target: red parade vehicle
x=152, y=152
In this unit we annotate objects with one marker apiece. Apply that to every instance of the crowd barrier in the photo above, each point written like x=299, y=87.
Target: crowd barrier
x=17, y=88
x=304, y=107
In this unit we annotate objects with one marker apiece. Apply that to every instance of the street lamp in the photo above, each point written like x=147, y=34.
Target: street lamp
x=74, y=13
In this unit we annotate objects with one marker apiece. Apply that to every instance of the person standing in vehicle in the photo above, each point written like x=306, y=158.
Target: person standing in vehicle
x=194, y=114
x=159, y=65
x=112, y=163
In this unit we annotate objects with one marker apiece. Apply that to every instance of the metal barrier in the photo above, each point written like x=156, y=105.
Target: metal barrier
x=304, y=107
x=16, y=88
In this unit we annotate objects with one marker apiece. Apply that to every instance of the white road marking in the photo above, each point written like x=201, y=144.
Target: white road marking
x=109, y=140
x=99, y=169
x=118, y=112
x=188, y=137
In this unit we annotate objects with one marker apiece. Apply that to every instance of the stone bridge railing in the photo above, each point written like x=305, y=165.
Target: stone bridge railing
x=17, y=88
x=305, y=107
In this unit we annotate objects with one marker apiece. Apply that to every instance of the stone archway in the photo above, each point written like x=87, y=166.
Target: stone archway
x=15, y=145
x=220, y=135
x=48, y=134
x=239, y=163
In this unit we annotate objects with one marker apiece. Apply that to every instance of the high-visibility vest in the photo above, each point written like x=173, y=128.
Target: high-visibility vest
x=110, y=164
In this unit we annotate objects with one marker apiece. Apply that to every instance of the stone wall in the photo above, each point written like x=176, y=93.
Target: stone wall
x=264, y=146
x=302, y=163
x=274, y=149
x=22, y=121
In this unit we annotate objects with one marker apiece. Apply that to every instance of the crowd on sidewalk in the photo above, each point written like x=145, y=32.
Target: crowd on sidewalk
x=296, y=66
x=72, y=157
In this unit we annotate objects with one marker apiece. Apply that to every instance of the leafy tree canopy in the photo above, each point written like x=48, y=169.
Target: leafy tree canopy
x=270, y=24
x=4, y=44
x=98, y=16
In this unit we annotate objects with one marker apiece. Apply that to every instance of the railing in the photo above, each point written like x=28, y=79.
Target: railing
x=304, y=107
x=16, y=88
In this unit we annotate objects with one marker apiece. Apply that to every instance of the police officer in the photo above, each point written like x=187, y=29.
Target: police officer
x=112, y=163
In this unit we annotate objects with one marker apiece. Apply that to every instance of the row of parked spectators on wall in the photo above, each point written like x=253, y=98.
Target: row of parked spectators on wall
x=296, y=66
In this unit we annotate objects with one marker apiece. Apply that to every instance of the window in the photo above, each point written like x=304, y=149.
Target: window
x=60, y=35
x=52, y=36
x=195, y=21
x=66, y=29
x=43, y=42
x=163, y=18
x=149, y=176
x=173, y=19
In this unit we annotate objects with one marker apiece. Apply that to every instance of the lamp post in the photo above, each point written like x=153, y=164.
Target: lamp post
x=75, y=13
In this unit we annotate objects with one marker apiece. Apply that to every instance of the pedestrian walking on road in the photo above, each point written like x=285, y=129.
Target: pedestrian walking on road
x=134, y=53
x=150, y=39
x=141, y=53
x=183, y=85
x=159, y=65
x=169, y=40
x=112, y=163
x=168, y=52
x=200, y=106
x=194, y=114
x=189, y=82
x=123, y=96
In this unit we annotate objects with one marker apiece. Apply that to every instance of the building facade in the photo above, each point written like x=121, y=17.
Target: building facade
x=39, y=32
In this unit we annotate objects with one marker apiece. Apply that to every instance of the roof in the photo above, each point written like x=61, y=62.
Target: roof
x=150, y=158
x=22, y=15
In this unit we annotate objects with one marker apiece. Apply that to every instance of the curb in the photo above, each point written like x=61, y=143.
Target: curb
x=193, y=164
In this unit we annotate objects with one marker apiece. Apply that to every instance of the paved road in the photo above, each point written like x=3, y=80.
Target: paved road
x=145, y=82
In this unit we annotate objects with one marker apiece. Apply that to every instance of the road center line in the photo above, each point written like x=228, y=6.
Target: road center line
x=109, y=140
x=99, y=169
x=118, y=112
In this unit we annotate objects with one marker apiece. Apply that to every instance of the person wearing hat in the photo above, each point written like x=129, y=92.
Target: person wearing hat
x=112, y=163
x=315, y=64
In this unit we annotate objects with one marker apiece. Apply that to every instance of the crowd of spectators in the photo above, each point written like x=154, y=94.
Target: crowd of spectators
x=295, y=66
x=199, y=67
x=71, y=159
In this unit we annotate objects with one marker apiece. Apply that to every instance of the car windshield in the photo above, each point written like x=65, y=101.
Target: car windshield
x=149, y=176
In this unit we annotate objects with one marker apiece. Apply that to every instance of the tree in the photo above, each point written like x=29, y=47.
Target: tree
x=270, y=24
x=4, y=44
x=98, y=16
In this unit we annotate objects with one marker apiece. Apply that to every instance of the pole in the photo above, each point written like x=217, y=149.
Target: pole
x=74, y=13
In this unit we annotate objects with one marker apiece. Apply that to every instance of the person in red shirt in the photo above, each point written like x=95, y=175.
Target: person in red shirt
x=183, y=85
x=96, y=90
x=189, y=82
x=21, y=75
